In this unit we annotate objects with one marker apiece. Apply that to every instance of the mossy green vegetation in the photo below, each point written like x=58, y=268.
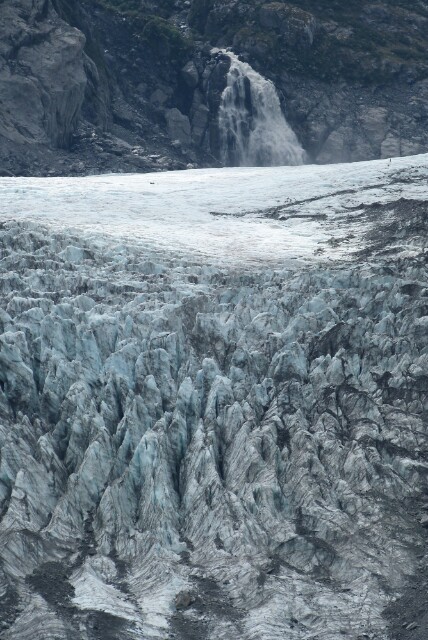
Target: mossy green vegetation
x=164, y=43
x=164, y=40
x=356, y=40
x=388, y=33
x=125, y=7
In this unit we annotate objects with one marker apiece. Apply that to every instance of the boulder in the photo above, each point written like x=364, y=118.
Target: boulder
x=178, y=126
x=335, y=148
x=199, y=118
x=374, y=121
x=424, y=521
x=158, y=97
x=184, y=599
x=190, y=75
x=297, y=26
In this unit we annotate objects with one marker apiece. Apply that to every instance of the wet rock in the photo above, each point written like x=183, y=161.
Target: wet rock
x=200, y=115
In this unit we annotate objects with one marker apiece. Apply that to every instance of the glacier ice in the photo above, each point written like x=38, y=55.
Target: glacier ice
x=248, y=438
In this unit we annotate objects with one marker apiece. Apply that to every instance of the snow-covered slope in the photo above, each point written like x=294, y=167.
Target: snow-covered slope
x=256, y=215
x=213, y=404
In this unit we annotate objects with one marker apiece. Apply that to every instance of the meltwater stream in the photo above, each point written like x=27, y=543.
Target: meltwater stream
x=253, y=130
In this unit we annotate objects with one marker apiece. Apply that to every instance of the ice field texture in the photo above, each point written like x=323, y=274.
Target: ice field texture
x=213, y=404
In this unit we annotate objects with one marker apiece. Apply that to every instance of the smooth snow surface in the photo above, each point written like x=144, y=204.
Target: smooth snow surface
x=268, y=215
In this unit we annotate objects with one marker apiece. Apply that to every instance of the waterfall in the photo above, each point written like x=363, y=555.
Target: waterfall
x=252, y=127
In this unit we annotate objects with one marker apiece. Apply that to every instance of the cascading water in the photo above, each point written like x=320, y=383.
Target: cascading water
x=252, y=127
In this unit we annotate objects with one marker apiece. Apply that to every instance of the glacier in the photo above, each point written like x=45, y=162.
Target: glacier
x=254, y=215
x=213, y=404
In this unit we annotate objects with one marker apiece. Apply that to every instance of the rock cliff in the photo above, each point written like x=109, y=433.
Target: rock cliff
x=101, y=85
x=353, y=75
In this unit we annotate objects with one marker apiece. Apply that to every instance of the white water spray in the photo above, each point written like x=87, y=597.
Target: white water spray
x=253, y=130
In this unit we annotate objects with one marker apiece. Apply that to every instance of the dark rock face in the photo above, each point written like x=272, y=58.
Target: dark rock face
x=87, y=86
x=42, y=77
x=353, y=75
x=73, y=96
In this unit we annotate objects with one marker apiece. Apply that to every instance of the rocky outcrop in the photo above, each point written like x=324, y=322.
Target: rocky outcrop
x=178, y=126
x=352, y=79
x=42, y=75
x=72, y=91
x=90, y=87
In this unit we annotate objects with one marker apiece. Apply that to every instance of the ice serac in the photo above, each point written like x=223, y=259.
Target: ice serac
x=196, y=451
x=253, y=129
